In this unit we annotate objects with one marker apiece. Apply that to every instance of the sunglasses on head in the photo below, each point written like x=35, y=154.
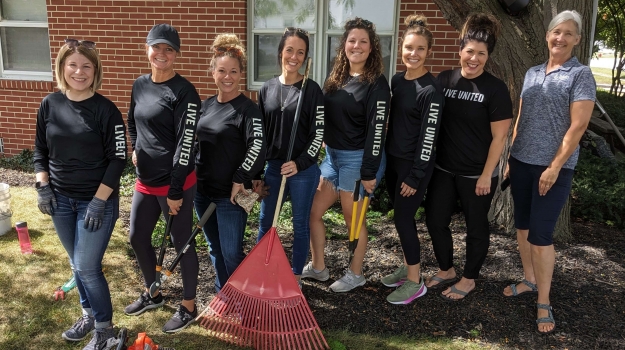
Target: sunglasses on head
x=293, y=29
x=90, y=45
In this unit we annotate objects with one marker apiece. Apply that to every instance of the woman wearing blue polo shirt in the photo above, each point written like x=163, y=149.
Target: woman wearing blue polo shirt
x=556, y=104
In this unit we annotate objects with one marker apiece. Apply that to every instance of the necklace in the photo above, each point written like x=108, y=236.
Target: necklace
x=283, y=103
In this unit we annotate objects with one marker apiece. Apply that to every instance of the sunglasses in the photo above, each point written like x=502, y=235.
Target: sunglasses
x=73, y=43
x=293, y=29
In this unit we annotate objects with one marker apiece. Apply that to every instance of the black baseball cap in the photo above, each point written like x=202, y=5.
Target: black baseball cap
x=164, y=34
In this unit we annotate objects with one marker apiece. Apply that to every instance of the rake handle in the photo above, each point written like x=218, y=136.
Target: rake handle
x=161, y=254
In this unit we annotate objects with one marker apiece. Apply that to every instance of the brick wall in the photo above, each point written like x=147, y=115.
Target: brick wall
x=119, y=29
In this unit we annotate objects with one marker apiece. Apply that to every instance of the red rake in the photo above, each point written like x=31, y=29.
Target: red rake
x=262, y=305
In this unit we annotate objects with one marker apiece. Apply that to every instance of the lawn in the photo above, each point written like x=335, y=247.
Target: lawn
x=31, y=319
x=603, y=75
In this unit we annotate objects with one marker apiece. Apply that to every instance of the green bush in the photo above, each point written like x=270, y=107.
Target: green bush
x=615, y=106
x=22, y=161
x=599, y=190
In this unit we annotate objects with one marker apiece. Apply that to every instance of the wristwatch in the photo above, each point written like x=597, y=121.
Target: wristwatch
x=40, y=184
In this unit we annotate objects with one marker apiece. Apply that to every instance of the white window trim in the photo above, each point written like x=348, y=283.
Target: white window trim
x=322, y=37
x=17, y=74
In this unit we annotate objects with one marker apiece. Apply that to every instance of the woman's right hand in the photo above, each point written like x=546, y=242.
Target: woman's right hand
x=134, y=158
x=236, y=188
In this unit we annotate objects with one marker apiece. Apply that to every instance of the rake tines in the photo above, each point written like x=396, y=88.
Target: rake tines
x=244, y=320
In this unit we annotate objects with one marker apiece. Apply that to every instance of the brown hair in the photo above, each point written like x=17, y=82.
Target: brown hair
x=374, y=66
x=228, y=45
x=417, y=25
x=481, y=27
x=90, y=53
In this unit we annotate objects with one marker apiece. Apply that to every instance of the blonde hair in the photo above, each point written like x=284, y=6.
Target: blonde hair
x=418, y=25
x=228, y=45
x=91, y=54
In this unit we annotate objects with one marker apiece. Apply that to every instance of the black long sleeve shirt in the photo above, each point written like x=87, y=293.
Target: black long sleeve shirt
x=161, y=122
x=414, y=123
x=355, y=118
x=279, y=123
x=231, y=145
x=80, y=144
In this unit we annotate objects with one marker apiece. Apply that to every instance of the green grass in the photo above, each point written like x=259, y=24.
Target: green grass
x=604, y=75
x=31, y=319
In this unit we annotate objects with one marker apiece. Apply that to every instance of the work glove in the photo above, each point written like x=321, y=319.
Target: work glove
x=46, y=200
x=94, y=214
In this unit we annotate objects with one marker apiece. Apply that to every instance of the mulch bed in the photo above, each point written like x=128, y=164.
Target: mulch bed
x=587, y=291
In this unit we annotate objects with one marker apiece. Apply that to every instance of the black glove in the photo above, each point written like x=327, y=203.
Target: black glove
x=46, y=200
x=94, y=214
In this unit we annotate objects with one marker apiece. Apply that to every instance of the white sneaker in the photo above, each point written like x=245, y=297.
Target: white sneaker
x=309, y=272
x=348, y=282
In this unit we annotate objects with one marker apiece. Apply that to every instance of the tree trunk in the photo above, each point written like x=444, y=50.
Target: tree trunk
x=521, y=45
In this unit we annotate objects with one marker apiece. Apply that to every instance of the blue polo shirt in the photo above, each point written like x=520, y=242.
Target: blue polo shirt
x=545, y=112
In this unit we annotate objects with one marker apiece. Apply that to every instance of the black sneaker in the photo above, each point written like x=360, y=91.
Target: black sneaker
x=180, y=320
x=83, y=326
x=144, y=303
x=103, y=339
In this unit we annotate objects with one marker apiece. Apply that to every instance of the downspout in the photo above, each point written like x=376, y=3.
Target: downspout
x=595, y=9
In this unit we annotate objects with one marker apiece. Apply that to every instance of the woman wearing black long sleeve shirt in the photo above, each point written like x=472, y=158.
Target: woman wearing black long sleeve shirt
x=162, y=122
x=278, y=99
x=356, y=109
x=80, y=153
x=231, y=151
x=415, y=119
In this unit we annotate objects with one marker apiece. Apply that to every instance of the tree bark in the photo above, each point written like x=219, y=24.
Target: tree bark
x=521, y=45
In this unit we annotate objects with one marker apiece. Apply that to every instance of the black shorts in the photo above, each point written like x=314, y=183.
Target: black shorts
x=533, y=212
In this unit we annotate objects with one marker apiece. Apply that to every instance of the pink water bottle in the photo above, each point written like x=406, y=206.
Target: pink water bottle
x=24, y=237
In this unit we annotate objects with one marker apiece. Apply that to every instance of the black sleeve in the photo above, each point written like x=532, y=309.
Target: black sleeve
x=132, y=128
x=115, y=148
x=377, y=114
x=315, y=120
x=254, y=133
x=185, y=117
x=432, y=108
x=500, y=105
x=40, y=157
x=261, y=106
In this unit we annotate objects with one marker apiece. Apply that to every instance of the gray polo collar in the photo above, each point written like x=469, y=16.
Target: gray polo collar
x=572, y=62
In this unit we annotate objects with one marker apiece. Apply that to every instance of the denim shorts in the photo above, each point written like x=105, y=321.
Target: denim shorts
x=342, y=168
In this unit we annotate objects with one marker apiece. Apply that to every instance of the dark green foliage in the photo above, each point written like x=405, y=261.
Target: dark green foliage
x=599, y=190
x=22, y=161
x=615, y=106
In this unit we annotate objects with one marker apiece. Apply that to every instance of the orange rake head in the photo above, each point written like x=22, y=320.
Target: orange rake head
x=261, y=305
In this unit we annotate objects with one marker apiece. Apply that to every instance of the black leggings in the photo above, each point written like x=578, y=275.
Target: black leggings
x=144, y=214
x=406, y=207
x=443, y=193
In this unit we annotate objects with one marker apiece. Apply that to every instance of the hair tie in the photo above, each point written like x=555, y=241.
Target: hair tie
x=417, y=22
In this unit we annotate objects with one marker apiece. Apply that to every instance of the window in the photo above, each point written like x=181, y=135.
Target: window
x=25, y=49
x=324, y=20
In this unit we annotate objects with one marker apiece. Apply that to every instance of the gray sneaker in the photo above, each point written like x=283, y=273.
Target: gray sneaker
x=103, y=339
x=408, y=292
x=309, y=272
x=397, y=278
x=348, y=282
x=83, y=326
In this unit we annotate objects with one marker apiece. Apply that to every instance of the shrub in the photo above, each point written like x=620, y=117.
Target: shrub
x=615, y=106
x=598, y=190
x=22, y=161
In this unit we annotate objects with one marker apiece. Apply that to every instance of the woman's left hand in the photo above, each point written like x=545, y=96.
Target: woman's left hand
x=174, y=206
x=547, y=179
x=482, y=187
x=236, y=188
x=407, y=191
x=369, y=185
x=288, y=169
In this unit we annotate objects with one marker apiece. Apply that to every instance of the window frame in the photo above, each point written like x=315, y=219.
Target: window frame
x=18, y=74
x=321, y=42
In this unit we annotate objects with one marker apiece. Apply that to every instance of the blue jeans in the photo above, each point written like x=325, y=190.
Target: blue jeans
x=86, y=250
x=342, y=168
x=224, y=233
x=302, y=187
